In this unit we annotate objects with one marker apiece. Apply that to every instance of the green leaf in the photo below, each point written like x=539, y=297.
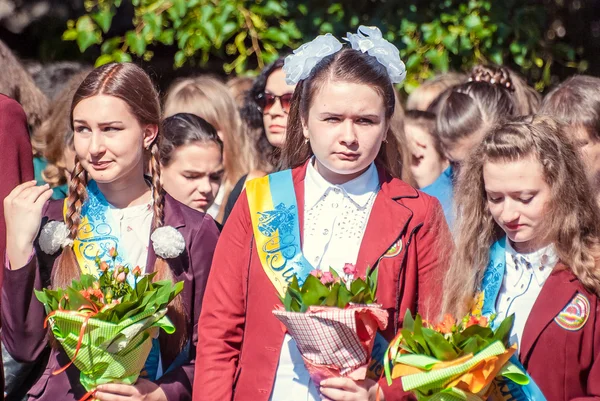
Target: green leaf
x=69, y=34
x=136, y=42
x=167, y=37
x=503, y=331
x=344, y=297
x=110, y=45
x=86, y=39
x=439, y=346
x=332, y=298
x=418, y=334
x=104, y=19
x=121, y=57
x=408, y=323
x=180, y=7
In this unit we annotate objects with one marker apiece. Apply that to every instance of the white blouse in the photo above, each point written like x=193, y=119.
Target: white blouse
x=335, y=219
x=134, y=225
x=523, y=280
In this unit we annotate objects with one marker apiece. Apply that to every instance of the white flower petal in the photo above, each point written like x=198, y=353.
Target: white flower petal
x=54, y=236
x=168, y=243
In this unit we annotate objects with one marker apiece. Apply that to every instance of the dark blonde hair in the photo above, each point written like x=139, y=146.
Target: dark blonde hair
x=425, y=94
x=347, y=65
x=576, y=102
x=131, y=84
x=571, y=216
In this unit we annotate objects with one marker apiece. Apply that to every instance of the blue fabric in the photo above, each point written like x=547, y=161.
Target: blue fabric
x=491, y=283
x=39, y=165
x=442, y=189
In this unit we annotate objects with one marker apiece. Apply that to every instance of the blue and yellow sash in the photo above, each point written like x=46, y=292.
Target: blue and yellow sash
x=274, y=213
x=97, y=233
x=492, y=281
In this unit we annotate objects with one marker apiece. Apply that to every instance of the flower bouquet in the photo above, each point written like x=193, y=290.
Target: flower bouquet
x=334, y=321
x=464, y=360
x=105, y=325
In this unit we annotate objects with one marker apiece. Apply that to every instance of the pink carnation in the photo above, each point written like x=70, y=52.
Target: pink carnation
x=349, y=269
x=316, y=273
x=327, y=278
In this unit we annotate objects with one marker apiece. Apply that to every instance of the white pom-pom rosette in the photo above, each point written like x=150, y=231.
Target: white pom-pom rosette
x=370, y=40
x=54, y=236
x=298, y=66
x=168, y=243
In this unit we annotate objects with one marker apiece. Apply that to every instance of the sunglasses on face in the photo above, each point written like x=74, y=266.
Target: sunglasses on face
x=267, y=100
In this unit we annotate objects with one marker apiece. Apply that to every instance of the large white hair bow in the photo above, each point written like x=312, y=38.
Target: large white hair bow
x=298, y=66
x=369, y=39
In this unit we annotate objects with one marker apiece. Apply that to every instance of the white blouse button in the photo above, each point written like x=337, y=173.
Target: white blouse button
x=325, y=232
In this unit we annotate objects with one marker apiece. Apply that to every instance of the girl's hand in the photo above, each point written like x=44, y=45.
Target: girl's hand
x=143, y=390
x=345, y=389
x=23, y=216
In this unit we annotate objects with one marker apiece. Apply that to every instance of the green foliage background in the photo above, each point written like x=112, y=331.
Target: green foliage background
x=433, y=36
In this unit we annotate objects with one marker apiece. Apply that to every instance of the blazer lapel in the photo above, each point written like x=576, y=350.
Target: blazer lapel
x=174, y=218
x=387, y=222
x=555, y=295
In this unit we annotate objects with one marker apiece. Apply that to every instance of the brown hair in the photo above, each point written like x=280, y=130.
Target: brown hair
x=210, y=99
x=576, y=102
x=397, y=129
x=239, y=87
x=15, y=82
x=527, y=99
x=426, y=121
x=346, y=65
x=131, y=84
x=471, y=109
x=571, y=218
x=55, y=133
x=424, y=95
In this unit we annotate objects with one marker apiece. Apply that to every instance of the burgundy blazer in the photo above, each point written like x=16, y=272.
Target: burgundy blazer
x=564, y=363
x=23, y=315
x=240, y=340
x=16, y=162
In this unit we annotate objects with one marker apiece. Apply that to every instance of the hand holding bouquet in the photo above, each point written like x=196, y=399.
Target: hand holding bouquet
x=464, y=360
x=334, y=321
x=105, y=325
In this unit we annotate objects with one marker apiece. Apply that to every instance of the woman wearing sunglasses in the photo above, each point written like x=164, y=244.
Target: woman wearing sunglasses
x=265, y=116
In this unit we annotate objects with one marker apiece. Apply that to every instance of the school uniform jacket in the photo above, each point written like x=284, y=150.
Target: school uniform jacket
x=240, y=340
x=23, y=315
x=561, y=354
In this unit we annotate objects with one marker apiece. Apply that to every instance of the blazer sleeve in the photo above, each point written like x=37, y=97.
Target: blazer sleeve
x=433, y=244
x=593, y=377
x=222, y=320
x=23, y=333
x=16, y=162
x=177, y=384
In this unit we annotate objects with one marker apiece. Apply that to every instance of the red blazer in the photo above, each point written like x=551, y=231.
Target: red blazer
x=565, y=364
x=239, y=339
x=16, y=162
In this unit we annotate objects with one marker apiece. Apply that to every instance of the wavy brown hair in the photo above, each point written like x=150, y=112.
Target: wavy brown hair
x=347, y=65
x=571, y=216
x=131, y=84
x=527, y=99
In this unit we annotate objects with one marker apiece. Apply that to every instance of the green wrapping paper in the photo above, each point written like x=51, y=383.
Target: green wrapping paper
x=109, y=352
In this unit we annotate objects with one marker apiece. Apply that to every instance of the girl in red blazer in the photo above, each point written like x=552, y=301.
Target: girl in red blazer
x=529, y=239
x=352, y=208
x=115, y=116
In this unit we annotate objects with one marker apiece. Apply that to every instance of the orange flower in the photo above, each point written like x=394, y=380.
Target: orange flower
x=446, y=325
x=137, y=271
x=103, y=266
x=475, y=320
x=113, y=252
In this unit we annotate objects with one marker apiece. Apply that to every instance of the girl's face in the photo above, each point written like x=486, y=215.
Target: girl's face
x=194, y=174
x=109, y=141
x=346, y=125
x=517, y=195
x=277, y=106
x=426, y=163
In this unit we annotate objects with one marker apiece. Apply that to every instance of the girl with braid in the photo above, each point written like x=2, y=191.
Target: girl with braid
x=115, y=117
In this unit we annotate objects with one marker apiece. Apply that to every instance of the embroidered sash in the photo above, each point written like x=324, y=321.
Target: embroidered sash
x=97, y=234
x=274, y=213
x=491, y=284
